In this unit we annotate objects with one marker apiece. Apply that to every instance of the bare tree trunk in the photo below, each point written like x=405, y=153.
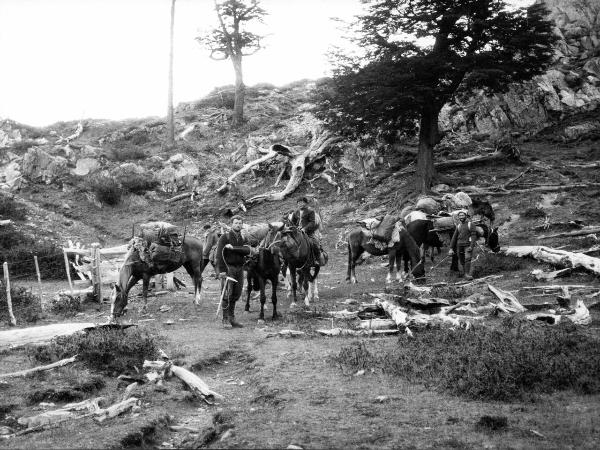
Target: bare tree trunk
x=428, y=136
x=240, y=91
x=170, y=118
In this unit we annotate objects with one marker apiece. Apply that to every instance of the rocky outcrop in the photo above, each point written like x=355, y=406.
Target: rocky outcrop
x=40, y=166
x=180, y=173
x=571, y=85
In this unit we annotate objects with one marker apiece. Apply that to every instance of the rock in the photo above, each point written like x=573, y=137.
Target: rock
x=592, y=66
x=39, y=165
x=179, y=175
x=441, y=188
x=86, y=166
x=11, y=177
x=576, y=131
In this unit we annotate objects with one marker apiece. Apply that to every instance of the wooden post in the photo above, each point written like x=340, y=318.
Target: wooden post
x=68, y=270
x=37, y=271
x=11, y=316
x=170, y=282
x=96, y=278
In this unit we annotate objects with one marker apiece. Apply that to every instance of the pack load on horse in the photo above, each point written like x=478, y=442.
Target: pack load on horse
x=383, y=231
x=401, y=245
x=158, y=249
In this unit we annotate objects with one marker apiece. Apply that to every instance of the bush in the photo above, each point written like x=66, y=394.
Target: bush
x=509, y=363
x=122, y=151
x=493, y=264
x=534, y=213
x=106, y=349
x=108, y=190
x=19, y=249
x=10, y=209
x=26, y=306
x=65, y=305
x=136, y=183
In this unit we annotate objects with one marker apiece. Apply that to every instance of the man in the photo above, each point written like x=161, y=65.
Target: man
x=462, y=243
x=305, y=218
x=229, y=264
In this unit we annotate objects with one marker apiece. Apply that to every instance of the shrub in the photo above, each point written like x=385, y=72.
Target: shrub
x=105, y=349
x=534, y=213
x=26, y=306
x=122, y=151
x=65, y=305
x=139, y=184
x=10, y=209
x=492, y=264
x=108, y=190
x=508, y=363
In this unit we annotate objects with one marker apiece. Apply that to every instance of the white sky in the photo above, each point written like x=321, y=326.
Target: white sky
x=75, y=59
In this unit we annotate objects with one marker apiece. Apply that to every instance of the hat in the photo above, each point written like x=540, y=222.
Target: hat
x=302, y=199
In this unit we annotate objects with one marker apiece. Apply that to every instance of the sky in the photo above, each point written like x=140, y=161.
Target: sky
x=108, y=59
x=68, y=60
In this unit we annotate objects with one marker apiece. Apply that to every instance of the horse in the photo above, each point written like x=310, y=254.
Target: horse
x=359, y=241
x=134, y=269
x=424, y=233
x=295, y=248
x=263, y=267
x=483, y=208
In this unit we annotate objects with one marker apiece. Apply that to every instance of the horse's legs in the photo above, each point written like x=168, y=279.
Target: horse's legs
x=248, y=291
x=353, y=255
x=145, y=284
x=294, y=283
x=196, y=274
x=261, y=284
x=399, y=273
x=274, y=282
x=391, y=261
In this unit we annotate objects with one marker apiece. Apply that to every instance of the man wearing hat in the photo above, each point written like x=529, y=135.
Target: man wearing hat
x=305, y=218
x=462, y=243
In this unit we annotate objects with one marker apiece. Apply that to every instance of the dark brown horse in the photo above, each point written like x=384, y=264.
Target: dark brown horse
x=359, y=241
x=294, y=248
x=134, y=269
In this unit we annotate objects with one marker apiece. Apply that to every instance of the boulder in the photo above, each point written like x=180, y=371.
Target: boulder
x=10, y=176
x=39, y=165
x=85, y=166
x=179, y=173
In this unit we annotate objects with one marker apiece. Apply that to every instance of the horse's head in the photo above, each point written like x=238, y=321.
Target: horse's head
x=484, y=208
x=118, y=302
x=289, y=240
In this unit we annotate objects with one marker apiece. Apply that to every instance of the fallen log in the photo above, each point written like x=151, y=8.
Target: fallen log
x=512, y=180
x=246, y=168
x=508, y=302
x=348, y=332
x=542, y=188
x=320, y=143
x=61, y=415
x=580, y=315
x=395, y=312
x=286, y=333
x=116, y=409
x=560, y=258
x=378, y=324
x=344, y=314
x=179, y=197
x=39, y=335
x=540, y=275
x=23, y=373
x=196, y=384
x=582, y=232
x=452, y=163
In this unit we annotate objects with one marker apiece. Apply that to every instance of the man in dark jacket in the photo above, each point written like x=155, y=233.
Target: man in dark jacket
x=305, y=218
x=462, y=243
x=229, y=264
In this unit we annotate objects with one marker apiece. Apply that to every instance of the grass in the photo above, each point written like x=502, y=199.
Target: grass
x=513, y=362
x=10, y=209
x=26, y=306
x=105, y=349
x=492, y=264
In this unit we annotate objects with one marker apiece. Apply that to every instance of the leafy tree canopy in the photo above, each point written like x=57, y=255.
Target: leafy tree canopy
x=418, y=55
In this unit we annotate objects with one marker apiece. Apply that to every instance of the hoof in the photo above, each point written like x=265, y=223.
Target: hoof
x=247, y=309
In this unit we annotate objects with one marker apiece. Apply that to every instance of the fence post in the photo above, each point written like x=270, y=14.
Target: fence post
x=11, y=316
x=39, y=277
x=96, y=278
x=68, y=271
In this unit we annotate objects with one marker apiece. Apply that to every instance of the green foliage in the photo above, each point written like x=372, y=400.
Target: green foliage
x=11, y=209
x=64, y=305
x=493, y=264
x=26, y=306
x=515, y=361
x=125, y=150
x=136, y=183
x=108, y=190
x=394, y=81
x=534, y=213
x=104, y=349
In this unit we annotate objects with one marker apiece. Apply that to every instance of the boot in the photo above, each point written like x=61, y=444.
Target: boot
x=226, y=322
x=234, y=323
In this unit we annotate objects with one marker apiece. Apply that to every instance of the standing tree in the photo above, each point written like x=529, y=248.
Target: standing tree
x=231, y=41
x=418, y=55
x=170, y=115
